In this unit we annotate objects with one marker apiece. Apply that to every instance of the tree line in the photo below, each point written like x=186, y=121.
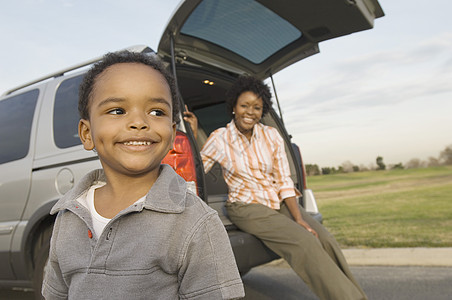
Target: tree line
x=444, y=158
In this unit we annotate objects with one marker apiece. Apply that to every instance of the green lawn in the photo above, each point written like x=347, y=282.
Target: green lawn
x=397, y=208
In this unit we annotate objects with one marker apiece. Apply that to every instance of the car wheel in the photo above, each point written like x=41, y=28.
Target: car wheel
x=41, y=255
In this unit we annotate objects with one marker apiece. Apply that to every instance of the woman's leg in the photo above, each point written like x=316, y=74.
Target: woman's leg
x=297, y=246
x=328, y=242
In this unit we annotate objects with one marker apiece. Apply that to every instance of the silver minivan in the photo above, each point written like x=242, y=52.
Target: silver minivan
x=207, y=44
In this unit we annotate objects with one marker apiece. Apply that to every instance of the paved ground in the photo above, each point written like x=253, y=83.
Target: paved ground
x=361, y=261
x=400, y=257
x=435, y=257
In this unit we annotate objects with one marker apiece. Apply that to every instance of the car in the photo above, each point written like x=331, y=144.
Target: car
x=207, y=44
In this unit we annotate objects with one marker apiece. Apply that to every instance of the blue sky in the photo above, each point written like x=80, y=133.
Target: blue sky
x=382, y=92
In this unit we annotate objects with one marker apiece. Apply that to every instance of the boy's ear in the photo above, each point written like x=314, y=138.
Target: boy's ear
x=174, y=135
x=84, y=132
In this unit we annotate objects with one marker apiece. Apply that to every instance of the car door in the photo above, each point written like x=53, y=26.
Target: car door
x=260, y=37
x=210, y=42
x=17, y=123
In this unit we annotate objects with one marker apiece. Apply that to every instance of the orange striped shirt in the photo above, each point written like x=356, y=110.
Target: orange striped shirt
x=255, y=171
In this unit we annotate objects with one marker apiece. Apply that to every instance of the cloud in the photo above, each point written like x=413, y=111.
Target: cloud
x=380, y=78
x=382, y=93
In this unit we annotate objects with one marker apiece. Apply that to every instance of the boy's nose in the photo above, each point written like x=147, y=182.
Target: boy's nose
x=138, y=122
x=139, y=127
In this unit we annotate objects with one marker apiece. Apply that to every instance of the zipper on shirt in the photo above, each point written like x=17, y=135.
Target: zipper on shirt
x=109, y=233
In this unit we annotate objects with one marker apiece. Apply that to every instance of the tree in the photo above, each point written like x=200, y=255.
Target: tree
x=433, y=162
x=312, y=170
x=415, y=163
x=347, y=166
x=380, y=163
x=398, y=166
x=364, y=168
x=326, y=170
x=445, y=156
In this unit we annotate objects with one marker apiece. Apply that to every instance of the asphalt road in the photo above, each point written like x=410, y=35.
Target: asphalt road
x=379, y=282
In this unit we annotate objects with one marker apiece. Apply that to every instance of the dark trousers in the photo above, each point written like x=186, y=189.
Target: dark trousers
x=319, y=262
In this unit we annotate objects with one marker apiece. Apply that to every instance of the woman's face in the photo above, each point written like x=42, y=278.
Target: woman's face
x=247, y=112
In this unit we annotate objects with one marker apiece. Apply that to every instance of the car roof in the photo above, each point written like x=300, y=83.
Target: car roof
x=260, y=37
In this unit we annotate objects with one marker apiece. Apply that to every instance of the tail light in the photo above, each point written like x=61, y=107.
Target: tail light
x=181, y=159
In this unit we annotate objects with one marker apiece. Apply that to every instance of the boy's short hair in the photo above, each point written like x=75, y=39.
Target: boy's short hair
x=249, y=84
x=89, y=80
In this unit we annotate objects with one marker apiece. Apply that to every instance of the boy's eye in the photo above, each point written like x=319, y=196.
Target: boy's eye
x=157, y=112
x=116, y=111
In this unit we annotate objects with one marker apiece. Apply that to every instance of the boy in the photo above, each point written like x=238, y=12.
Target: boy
x=133, y=230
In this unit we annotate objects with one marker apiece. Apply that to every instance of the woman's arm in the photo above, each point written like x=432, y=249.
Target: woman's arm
x=209, y=150
x=292, y=205
x=281, y=175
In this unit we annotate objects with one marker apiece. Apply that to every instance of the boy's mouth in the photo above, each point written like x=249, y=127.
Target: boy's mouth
x=138, y=143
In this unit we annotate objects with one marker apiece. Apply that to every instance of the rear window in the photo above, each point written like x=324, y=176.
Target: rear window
x=244, y=27
x=16, y=118
x=65, y=113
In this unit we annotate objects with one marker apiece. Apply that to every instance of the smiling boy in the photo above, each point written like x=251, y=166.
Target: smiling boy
x=133, y=230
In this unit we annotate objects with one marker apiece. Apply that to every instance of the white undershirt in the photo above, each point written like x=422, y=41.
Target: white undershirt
x=99, y=222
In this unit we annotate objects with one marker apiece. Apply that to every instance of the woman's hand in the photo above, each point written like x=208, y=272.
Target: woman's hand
x=292, y=205
x=308, y=228
x=191, y=119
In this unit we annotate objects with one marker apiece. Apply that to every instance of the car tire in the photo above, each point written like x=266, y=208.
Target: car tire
x=41, y=255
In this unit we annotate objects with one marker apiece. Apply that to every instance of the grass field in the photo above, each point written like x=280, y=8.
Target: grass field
x=396, y=208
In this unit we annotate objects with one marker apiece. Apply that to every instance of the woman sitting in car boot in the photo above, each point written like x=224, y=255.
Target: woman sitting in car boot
x=262, y=199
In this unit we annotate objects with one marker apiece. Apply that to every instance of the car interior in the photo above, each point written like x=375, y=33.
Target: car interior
x=204, y=93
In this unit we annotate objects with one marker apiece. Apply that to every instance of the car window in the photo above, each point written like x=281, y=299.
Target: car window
x=244, y=27
x=65, y=113
x=16, y=118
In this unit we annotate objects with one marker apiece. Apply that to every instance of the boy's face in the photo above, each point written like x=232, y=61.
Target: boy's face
x=130, y=123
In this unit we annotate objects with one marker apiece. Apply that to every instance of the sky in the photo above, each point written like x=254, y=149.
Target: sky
x=381, y=92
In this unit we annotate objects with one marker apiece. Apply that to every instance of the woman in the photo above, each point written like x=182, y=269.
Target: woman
x=262, y=199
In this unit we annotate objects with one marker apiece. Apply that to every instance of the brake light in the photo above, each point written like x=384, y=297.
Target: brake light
x=180, y=158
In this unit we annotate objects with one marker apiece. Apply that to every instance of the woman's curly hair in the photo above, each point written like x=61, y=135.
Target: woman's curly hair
x=249, y=84
x=89, y=80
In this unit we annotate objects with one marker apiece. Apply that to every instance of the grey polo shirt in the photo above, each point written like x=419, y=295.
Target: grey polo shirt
x=171, y=246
